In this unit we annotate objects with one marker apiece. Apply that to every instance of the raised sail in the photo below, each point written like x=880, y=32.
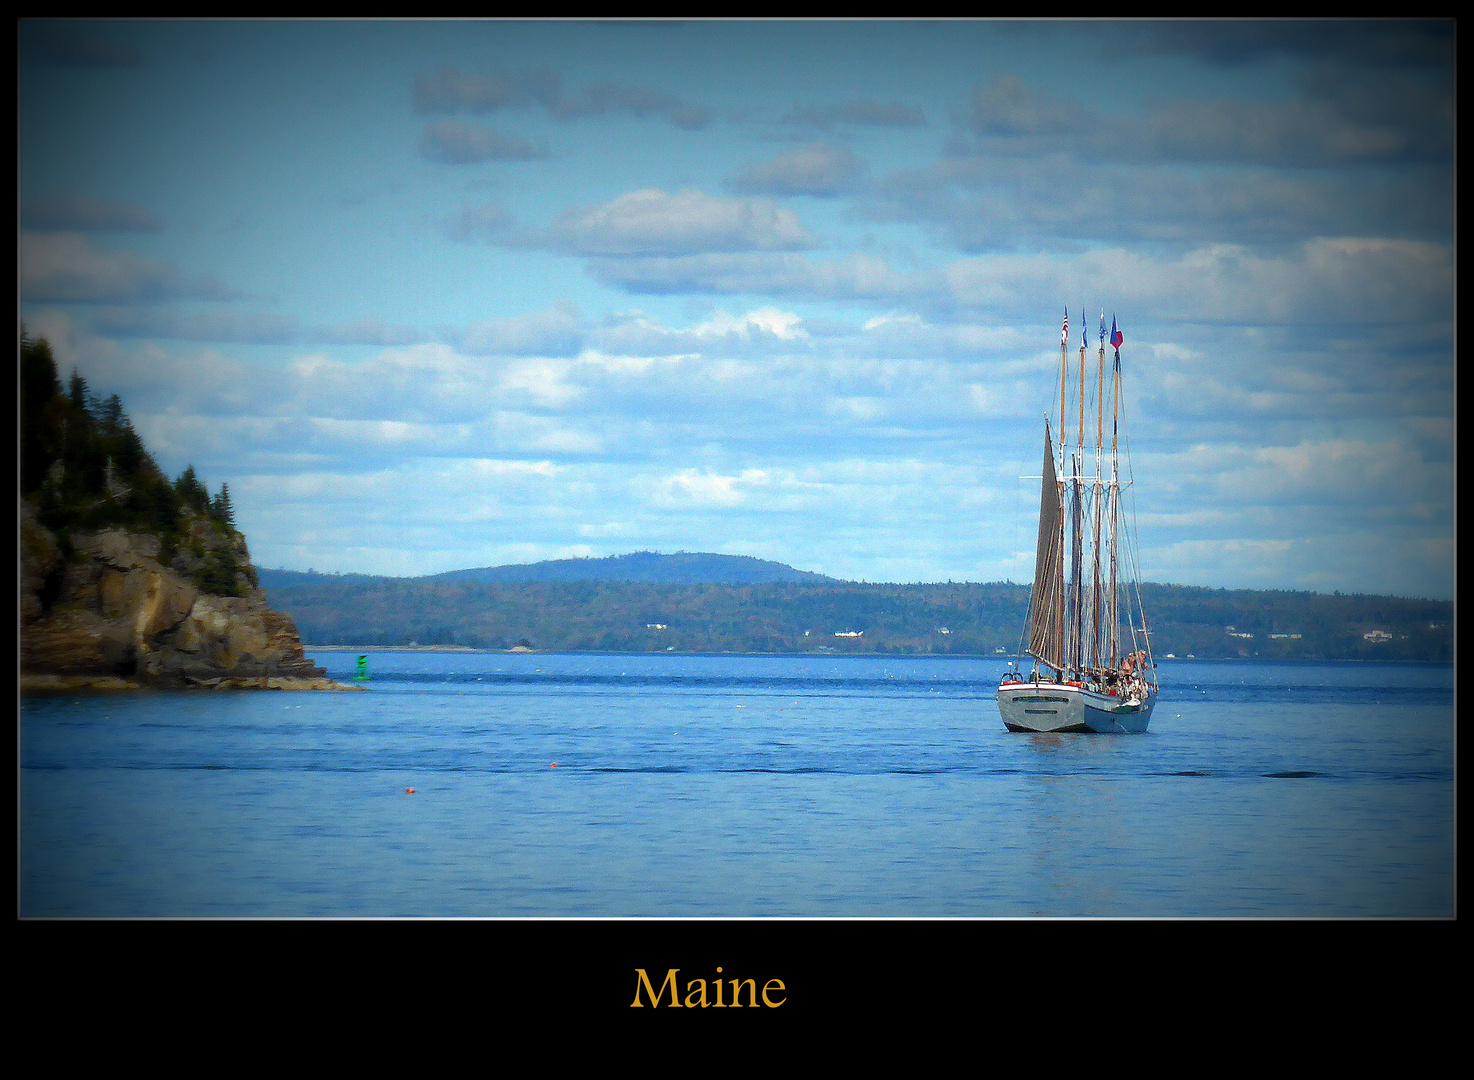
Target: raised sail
x=1047, y=601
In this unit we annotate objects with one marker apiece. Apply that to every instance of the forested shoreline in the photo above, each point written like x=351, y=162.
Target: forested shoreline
x=833, y=616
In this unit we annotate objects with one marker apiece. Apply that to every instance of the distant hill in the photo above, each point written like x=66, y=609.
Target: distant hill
x=651, y=567
x=648, y=567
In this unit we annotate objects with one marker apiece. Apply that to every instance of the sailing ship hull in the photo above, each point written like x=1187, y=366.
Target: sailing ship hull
x=1065, y=707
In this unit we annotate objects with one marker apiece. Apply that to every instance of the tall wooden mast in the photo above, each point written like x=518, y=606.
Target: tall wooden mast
x=1115, y=485
x=1064, y=374
x=1082, y=600
x=1064, y=364
x=1097, y=650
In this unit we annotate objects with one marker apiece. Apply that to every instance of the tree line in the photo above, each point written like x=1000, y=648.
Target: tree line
x=840, y=617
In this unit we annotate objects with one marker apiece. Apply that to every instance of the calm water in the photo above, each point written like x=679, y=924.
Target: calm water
x=740, y=786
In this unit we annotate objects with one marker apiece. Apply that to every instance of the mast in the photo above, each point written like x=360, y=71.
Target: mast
x=1064, y=344
x=1096, y=649
x=1064, y=375
x=1076, y=510
x=1116, y=339
x=1077, y=535
x=1080, y=434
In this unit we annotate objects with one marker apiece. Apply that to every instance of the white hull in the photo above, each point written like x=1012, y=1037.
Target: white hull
x=1052, y=706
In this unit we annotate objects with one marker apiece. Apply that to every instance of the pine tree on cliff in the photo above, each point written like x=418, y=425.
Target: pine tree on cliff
x=40, y=442
x=78, y=394
x=193, y=493
x=221, y=510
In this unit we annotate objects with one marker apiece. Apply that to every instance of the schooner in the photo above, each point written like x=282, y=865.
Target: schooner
x=1088, y=673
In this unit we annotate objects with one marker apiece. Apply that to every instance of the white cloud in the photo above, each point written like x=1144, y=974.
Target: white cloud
x=856, y=408
x=1348, y=280
x=543, y=383
x=556, y=330
x=652, y=222
x=790, y=275
x=689, y=488
x=784, y=325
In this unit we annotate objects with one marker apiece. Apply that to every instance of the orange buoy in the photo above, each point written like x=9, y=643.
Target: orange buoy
x=409, y=791
x=553, y=765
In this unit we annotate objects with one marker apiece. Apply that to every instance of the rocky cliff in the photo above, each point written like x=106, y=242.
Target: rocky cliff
x=113, y=608
x=126, y=577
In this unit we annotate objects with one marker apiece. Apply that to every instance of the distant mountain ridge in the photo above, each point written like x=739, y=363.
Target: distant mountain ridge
x=649, y=567
x=652, y=567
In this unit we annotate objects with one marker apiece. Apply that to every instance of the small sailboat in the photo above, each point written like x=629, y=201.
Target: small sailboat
x=1088, y=673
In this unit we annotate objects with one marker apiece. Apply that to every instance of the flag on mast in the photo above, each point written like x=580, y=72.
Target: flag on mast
x=1084, y=331
x=1116, y=336
x=1064, y=335
x=1102, y=329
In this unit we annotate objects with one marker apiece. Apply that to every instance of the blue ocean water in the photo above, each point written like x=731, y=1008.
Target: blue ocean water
x=735, y=787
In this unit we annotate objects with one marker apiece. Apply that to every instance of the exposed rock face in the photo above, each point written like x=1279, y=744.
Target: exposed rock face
x=109, y=608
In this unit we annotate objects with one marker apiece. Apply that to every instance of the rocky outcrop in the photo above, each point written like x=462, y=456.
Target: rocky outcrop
x=103, y=606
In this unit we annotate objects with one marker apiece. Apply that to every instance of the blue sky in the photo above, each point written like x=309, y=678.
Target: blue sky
x=437, y=295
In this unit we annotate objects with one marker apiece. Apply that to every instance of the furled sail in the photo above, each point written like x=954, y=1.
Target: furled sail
x=1046, y=602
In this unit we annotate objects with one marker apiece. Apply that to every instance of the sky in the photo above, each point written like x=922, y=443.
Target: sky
x=434, y=295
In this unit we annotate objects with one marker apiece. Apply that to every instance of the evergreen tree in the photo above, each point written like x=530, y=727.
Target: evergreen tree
x=40, y=391
x=159, y=503
x=84, y=466
x=77, y=392
x=129, y=453
x=39, y=383
x=192, y=493
x=221, y=510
